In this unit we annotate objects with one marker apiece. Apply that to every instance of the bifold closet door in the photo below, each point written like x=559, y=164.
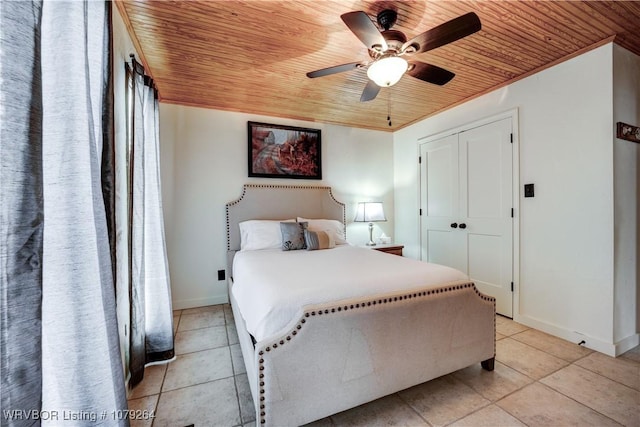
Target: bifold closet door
x=466, y=201
x=441, y=243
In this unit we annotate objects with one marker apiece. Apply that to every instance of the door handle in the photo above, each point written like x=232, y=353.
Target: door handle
x=463, y=225
x=454, y=225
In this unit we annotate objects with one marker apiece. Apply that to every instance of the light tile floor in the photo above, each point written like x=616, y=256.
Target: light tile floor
x=539, y=380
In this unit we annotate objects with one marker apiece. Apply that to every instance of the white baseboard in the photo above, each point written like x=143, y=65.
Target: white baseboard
x=576, y=337
x=627, y=344
x=199, y=302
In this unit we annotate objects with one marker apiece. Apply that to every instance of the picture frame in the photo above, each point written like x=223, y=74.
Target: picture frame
x=277, y=151
x=628, y=132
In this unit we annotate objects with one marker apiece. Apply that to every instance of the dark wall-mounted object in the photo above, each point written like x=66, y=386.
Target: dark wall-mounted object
x=277, y=151
x=528, y=190
x=628, y=132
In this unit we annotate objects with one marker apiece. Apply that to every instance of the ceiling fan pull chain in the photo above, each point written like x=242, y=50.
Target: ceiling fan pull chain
x=389, y=106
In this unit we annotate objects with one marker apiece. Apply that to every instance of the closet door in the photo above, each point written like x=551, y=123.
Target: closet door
x=440, y=203
x=486, y=170
x=466, y=201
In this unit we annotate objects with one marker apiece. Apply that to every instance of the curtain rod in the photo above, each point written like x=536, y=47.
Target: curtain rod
x=139, y=68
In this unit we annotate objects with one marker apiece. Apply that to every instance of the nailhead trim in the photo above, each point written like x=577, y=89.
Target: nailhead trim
x=364, y=304
x=291, y=187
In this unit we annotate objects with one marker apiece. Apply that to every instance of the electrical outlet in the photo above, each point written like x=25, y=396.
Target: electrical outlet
x=221, y=275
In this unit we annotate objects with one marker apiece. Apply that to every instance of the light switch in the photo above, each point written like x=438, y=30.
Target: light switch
x=528, y=190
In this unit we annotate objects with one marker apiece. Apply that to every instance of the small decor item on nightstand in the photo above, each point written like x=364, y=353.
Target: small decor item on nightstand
x=384, y=239
x=370, y=212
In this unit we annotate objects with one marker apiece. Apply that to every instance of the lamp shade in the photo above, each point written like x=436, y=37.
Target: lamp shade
x=370, y=212
x=387, y=71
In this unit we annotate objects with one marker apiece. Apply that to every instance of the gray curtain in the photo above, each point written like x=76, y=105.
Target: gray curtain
x=151, y=311
x=21, y=208
x=60, y=349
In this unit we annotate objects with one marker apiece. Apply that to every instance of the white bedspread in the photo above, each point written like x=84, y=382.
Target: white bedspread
x=272, y=286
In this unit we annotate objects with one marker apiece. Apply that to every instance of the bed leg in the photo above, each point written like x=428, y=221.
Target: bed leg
x=488, y=364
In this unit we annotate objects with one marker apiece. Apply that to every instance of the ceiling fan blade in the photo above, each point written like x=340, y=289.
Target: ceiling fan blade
x=334, y=70
x=429, y=73
x=370, y=91
x=361, y=25
x=448, y=32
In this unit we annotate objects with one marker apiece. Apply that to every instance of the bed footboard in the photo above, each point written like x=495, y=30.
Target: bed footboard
x=337, y=356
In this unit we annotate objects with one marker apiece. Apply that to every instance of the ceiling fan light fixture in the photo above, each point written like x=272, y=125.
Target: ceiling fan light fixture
x=387, y=70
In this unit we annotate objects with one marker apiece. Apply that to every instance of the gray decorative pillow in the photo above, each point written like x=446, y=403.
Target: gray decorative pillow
x=319, y=240
x=293, y=235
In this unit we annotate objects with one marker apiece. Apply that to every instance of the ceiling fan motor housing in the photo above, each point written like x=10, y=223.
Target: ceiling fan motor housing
x=395, y=39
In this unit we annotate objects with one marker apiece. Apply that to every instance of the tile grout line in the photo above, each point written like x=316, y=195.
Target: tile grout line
x=575, y=400
x=604, y=376
x=551, y=354
x=155, y=409
x=203, y=327
x=569, y=363
x=203, y=349
x=578, y=402
x=494, y=402
x=539, y=381
x=413, y=409
x=195, y=384
x=543, y=351
x=233, y=368
x=534, y=380
x=475, y=411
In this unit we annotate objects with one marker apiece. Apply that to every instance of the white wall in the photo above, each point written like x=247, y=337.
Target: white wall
x=204, y=165
x=566, y=231
x=626, y=108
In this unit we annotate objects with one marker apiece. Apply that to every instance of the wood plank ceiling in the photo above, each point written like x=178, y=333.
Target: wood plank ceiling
x=252, y=56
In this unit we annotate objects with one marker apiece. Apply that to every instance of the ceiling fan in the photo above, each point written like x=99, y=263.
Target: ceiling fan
x=388, y=49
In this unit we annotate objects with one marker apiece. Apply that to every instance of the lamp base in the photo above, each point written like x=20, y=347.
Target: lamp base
x=371, y=242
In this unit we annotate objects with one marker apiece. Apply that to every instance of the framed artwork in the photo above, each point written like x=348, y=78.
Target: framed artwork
x=277, y=151
x=628, y=132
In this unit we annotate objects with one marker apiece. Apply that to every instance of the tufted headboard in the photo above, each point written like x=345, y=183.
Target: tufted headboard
x=279, y=202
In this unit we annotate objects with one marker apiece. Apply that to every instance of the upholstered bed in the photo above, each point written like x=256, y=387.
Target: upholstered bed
x=317, y=341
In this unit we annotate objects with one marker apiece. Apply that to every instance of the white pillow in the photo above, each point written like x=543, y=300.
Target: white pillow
x=261, y=234
x=329, y=225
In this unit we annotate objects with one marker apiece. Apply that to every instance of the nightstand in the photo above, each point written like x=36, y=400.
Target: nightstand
x=390, y=248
